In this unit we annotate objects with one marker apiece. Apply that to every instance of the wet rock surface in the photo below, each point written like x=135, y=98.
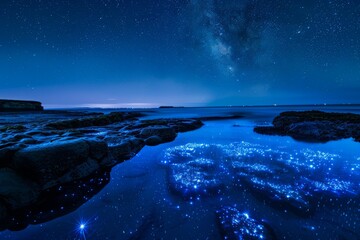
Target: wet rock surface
x=286, y=180
x=64, y=162
x=314, y=126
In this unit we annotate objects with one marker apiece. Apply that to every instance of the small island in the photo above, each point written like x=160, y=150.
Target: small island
x=19, y=106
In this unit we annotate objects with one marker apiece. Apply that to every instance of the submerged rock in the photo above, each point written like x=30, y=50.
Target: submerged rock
x=314, y=126
x=194, y=170
x=288, y=180
x=239, y=225
x=195, y=178
x=282, y=195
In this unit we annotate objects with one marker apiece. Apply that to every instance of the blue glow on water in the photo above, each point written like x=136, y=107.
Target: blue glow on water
x=223, y=177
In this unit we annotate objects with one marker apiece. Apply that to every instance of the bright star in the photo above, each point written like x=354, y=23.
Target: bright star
x=82, y=226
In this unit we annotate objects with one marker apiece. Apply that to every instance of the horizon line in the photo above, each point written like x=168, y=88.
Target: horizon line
x=217, y=106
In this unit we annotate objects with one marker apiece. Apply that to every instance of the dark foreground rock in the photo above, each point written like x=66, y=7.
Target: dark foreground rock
x=18, y=106
x=48, y=169
x=314, y=126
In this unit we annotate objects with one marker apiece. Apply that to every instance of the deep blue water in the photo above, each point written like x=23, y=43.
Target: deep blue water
x=175, y=190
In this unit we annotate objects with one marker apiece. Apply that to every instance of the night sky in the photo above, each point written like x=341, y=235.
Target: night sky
x=142, y=53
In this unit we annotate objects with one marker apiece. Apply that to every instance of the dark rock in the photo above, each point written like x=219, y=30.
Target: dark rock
x=314, y=126
x=80, y=171
x=37, y=160
x=16, y=191
x=94, y=121
x=7, y=154
x=19, y=106
x=15, y=128
x=166, y=134
x=188, y=125
x=46, y=163
x=55, y=202
x=98, y=149
x=148, y=123
x=126, y=149
x=153, y=141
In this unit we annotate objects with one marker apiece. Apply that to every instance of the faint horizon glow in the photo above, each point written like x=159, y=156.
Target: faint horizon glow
x=104, y=105
x=120, y=105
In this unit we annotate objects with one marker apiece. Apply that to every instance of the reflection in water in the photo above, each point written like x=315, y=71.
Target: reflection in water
x=59, y=201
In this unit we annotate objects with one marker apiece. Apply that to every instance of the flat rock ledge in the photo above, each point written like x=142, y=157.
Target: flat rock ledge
x=314, y=126
x=50, y=169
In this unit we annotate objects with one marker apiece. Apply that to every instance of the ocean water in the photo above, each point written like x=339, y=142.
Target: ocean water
x=220, y=181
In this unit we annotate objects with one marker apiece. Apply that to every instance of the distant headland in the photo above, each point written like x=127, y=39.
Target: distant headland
x=19, y=105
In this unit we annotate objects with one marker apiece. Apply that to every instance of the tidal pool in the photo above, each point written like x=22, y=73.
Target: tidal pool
x=222, y=181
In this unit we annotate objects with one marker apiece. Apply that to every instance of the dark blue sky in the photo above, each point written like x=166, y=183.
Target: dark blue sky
x=171, y=52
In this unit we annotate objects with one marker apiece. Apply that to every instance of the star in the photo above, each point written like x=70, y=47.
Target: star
x=82, y=226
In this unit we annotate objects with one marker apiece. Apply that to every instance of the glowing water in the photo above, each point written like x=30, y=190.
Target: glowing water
x=259, y=185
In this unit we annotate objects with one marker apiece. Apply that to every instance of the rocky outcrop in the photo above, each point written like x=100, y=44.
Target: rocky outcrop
x=314, y=126
x=19, y=106
x=41, y=165
x=101, y=120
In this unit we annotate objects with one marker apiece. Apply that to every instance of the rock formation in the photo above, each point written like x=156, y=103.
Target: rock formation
x=19, y=106
x=314, y=126
x=41, y=164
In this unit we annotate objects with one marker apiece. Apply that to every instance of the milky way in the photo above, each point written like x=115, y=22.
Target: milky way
x=234, y=33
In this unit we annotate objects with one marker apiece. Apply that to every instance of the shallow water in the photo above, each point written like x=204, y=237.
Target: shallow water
x=175, y=190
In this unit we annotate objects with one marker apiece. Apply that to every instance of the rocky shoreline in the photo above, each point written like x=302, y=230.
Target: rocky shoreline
x=45, y=164
x=314, y=126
